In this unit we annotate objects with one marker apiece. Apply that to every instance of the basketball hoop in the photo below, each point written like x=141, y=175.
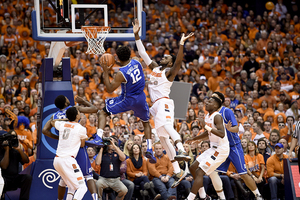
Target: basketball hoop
x=95, y=36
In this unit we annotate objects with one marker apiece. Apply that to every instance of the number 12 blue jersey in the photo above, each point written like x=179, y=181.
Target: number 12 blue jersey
x=134, y=76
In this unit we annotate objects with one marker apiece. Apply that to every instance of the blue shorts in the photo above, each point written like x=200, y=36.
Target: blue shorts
x=136, y=103
x=83, y=161
x=236, y=156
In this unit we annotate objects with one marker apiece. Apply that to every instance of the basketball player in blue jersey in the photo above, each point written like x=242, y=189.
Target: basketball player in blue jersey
x=236, y=155
x=131, y=78
x=63, y=103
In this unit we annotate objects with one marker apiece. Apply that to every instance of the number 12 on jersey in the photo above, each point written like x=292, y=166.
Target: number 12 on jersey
x=136, y=76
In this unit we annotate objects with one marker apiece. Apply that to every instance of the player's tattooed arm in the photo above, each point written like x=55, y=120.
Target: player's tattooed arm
x=47, y=130
x=89, y=107
x=220, y=132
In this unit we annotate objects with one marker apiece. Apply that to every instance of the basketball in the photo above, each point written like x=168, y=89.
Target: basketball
x=108, y=59
x=269, y=5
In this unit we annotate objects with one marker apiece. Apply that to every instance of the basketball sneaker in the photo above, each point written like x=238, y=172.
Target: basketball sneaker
x=150, y=156
x=180, y=176
x=182, y=156
x=96, y=142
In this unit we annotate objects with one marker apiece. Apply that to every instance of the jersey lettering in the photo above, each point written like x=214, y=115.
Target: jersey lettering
x=156, y=74
x=69, y=125
x=136, y=76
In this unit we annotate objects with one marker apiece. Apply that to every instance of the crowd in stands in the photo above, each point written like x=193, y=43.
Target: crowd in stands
x=254, y=60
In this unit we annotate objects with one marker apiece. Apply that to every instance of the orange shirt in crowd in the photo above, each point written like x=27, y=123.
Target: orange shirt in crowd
x=254, y=163
x=274, y=165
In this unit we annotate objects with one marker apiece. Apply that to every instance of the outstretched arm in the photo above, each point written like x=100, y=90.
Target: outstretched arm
x=90, y=108
x=176, y=66
x=140, y=46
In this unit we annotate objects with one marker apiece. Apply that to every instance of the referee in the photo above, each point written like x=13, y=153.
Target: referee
x=295, y=141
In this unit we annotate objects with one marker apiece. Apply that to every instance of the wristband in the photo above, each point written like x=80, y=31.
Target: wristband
x=181, y=42
x=208, y=128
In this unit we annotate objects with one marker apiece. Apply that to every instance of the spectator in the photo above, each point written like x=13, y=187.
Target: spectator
x=10, y=157
x=274, y=138
x=258, y=132
x=286, y=150
x=275, y=170
x=255, y=165
x=137, y=172
x=263, y=149
x=161, y=173
x=110, y=158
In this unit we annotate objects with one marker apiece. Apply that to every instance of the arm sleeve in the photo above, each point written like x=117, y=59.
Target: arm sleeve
x=142, y=52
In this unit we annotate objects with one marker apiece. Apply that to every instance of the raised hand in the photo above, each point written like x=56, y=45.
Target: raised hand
x=184, y=38
x=136, y=26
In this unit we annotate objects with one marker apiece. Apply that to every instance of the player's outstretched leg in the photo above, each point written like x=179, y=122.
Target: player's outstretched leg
x=250, y=183
x=182, y=155
x=149, y=153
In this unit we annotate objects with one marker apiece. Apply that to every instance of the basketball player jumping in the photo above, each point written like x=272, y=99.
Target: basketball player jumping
x=131, y=78
x=212, y=158
x=161, y=80
x=236, y=155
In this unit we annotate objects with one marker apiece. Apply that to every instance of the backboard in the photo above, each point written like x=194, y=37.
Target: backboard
x=61, y=20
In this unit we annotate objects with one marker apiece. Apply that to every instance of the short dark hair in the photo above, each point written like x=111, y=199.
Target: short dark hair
x=72, y=113
x=60, y=101
x=221, y=96
x=123, y=53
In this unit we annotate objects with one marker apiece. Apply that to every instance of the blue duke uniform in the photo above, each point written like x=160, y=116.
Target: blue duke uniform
x=236, y=154
x=82, y=157
x=132, y=96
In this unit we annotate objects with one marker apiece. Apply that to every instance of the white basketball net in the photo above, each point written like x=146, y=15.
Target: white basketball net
x=95, y=36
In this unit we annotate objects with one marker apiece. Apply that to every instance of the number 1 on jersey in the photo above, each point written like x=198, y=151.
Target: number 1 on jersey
x=135, y=75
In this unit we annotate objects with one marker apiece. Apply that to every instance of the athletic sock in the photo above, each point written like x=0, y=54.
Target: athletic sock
x=191, y=196
x=180, y=146
x=221, y=195
x=176, y=167
x=256, y=192
x=149, y=144
x=95, y=196
x=202, y=193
